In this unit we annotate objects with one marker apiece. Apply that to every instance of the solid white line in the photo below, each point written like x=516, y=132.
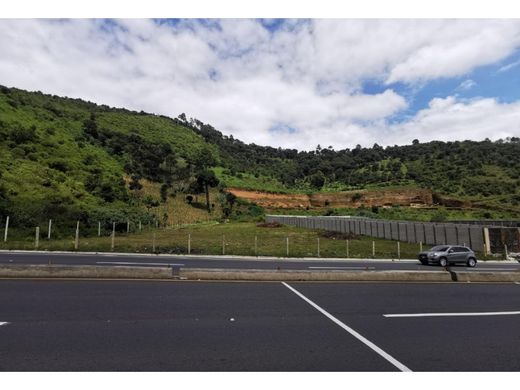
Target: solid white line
x=132, y=263
x=490, y=313
x=361, y=268
x=368, y=343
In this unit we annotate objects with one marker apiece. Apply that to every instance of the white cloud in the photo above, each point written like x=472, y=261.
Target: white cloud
x=245, y=79
x=453, y=119
x=510, y=66
x=466, y=85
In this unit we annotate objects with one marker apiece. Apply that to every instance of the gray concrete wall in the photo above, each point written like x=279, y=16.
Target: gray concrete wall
x=415, y=232
x=429, y=234
x=440, y=234
x=402, y=232
x=419, y=232
x=410, y=232
x=395, y=230
x=476, y=236
x=463, y=235
x=451, y=234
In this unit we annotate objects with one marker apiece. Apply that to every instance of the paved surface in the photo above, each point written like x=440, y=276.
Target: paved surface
x=200, y=326
x=247, y=263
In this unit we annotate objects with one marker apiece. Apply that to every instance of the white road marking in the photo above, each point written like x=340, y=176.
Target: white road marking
x=133, y=263
x=3, y=323
x=489, y=313
x=361, y=268
x=368, y=343
x=492, y=269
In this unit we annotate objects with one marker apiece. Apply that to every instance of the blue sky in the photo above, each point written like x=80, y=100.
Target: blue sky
x=289, y=83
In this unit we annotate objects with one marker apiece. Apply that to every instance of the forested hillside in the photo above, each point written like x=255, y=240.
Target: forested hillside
x=68, y=159
x=466, y=169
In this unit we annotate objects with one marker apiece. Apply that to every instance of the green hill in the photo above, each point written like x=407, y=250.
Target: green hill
x=66, y=159
x=69, y=159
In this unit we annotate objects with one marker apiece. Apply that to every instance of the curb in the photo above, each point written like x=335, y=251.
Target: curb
x=150, y=273
x=230, y=257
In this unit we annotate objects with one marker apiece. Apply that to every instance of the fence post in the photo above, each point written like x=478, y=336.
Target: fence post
x=112, y=245
x=487, y=244
x=287, y=245
x=140, y=226
x=223, y=245
x=76, y=241
x=127, y=226
x=49, y=231
x=153, y=242
x=373, y=249
x=37, y=238
x=505, y=252
x=348, y=256
x=189, y=243
x=420, y=246
x=6, y=228
x=398, y=250
x=318, y=247
x=256, y=246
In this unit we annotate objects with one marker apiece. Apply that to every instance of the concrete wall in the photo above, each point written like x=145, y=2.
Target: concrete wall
x=428, y=233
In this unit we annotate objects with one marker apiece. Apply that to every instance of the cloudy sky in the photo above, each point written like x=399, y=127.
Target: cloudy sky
x=288, y=83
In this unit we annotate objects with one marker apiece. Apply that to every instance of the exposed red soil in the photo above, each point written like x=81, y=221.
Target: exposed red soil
x=349, y=199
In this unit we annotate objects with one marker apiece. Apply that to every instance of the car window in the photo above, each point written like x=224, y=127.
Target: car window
x=440, y=248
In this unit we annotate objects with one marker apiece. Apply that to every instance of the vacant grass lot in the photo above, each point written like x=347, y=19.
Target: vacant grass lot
x=235, y=238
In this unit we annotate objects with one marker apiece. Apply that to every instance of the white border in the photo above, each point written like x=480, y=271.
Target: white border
x=260, y=8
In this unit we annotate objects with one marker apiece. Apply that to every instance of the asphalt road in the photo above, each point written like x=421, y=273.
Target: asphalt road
x=243, y=263
x=240, y=326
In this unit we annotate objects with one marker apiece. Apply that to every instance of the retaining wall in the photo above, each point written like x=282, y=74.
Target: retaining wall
x=429, y=233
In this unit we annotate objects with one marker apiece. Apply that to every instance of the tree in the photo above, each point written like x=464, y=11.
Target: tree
x=317, y=180
x=90, y=126
x=206, y=179
x=164, y=192
x=134, y=184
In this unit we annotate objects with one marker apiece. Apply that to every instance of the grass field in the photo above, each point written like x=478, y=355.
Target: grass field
x=236, y=238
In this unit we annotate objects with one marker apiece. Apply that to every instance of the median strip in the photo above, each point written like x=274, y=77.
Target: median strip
x=136, y=263
x=360, y=268
x=122, y=270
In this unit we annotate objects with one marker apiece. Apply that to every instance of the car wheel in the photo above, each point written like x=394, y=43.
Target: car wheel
x=472, y=262
x=443, y=262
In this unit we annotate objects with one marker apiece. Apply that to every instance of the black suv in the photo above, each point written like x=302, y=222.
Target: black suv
x=448, y=254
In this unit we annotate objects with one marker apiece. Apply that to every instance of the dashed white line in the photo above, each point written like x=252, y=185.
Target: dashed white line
x=134, y=263
x=489, y=313
x=3, y=323
x=365, y=341
x=360, y=268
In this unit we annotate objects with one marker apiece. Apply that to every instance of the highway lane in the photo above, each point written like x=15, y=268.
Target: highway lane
x=240, y=326
x=235, y=262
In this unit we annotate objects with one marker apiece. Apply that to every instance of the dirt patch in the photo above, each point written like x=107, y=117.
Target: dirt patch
x=338, y=235
x=268, y=200
x=347, y=199
x=269, y=224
